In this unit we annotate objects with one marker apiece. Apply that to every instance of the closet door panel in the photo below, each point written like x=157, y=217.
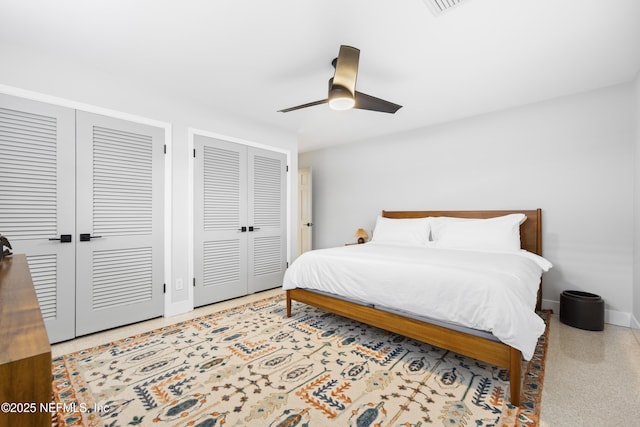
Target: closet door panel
x=37, y=202
x=120, y=222
x=220, y=213
x=267, y=216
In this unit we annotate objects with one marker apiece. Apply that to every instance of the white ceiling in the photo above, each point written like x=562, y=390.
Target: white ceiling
x=253, y=57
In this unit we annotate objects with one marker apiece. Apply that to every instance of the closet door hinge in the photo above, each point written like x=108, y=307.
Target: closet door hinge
x=164, y=288
x=165, y=148
x=287, y=168
x=194, y=282
x=194, y=152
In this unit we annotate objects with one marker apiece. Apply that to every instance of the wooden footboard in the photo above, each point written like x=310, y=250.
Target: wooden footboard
x=488, y=351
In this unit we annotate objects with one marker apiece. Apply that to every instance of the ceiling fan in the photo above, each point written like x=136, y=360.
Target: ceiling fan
x=342, y=87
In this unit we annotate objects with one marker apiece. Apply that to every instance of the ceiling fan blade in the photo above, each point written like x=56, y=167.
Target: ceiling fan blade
x=368, y=102
x=347, y=68
x=298, y=107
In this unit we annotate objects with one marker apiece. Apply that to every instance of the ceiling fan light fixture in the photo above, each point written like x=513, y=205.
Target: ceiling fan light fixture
x=340, y=98
x=342, y=88
x=341, y=103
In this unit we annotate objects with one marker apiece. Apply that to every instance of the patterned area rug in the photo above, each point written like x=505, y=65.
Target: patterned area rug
x=253, y=366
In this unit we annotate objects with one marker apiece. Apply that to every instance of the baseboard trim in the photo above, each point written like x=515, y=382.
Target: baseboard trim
x=554, y=306
x=635, y=327
x=619, y=318
x=612, y=317
x=635, y=324
x=177, y=308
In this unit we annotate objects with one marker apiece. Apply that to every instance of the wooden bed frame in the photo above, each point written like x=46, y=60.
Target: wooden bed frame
x=493, y=352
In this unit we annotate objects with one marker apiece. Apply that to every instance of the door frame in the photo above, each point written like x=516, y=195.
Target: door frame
x=192, y=132
x=168, y=171
x=309, y=206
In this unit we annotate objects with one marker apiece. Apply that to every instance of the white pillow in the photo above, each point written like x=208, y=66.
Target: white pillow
x=501, y=233
x=439, y=223
x=411, y=231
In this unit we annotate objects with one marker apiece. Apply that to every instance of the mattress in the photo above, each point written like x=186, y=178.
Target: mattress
x=488, y=291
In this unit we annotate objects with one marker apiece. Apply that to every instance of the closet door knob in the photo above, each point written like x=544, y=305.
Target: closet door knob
x=85, y=237
x=64, y=238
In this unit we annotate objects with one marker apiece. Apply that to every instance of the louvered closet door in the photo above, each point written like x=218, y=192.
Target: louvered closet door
x=120, y=193
x=37, y=191
x=220, y=211
x=267, y=215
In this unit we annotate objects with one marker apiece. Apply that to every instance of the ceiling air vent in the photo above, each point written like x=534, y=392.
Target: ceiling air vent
x=437, y=7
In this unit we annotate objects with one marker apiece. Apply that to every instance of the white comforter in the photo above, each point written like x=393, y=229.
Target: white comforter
x=490, y=291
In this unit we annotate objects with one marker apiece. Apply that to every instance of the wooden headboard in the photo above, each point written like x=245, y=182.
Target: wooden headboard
x=530, y=230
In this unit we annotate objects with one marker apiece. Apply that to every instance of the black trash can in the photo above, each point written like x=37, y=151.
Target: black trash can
x=582, y=310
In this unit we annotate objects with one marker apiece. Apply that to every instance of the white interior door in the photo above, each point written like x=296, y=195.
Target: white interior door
x=305, y=219
x=220, y=235
x=267, y=219
x=37, y=202
x=120, y=224
x=239, y=219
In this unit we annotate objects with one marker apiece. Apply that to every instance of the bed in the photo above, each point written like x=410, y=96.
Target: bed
x=471, y=339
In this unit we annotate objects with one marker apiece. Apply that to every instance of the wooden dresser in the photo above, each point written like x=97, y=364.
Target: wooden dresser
x=25, y=353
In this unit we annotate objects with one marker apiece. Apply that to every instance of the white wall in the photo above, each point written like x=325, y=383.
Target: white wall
x=49, y=75
x=635, y=321
x=572, y=157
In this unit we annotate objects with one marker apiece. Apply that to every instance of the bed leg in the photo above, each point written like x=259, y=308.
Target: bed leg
x=515, y=372
x=288, y=304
